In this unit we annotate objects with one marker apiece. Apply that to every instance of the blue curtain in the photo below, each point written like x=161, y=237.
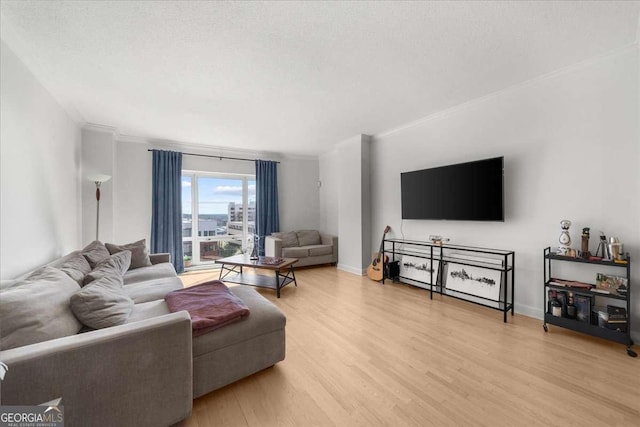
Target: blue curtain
x=267, y=217
x=166, y=215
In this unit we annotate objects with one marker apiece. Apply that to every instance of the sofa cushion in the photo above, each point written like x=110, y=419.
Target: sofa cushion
x=37, y=309
x=295, y=252
x=95, y=252
x=114, y=266
x=148, y=310
x=154, y=289
x=289, y=240
x=156, y=271
x=76, y=267
x=103, y=303
x=265, y=317
x=318, y=250
x=139, y=253
x=7, y=283
x=308, y=237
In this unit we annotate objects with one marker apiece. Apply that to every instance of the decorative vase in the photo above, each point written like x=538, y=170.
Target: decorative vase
x=254, y=250
x=565, y=238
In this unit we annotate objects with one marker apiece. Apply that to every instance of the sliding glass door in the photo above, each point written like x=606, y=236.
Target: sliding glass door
x=218, y=215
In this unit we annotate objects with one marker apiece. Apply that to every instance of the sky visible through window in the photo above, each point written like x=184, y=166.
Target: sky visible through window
x=215, y=194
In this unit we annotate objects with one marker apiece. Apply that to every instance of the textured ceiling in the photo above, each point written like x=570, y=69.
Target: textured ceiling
x=295, y=77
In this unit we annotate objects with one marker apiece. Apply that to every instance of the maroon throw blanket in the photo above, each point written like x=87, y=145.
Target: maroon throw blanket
x=210, y=304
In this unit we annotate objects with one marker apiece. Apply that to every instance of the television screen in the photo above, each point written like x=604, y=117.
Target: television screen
x=470, y=191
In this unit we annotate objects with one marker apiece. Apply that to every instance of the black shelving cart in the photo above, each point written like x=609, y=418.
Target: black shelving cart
x=588, y=327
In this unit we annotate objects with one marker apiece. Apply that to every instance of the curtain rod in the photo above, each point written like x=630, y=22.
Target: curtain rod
x=215, y=157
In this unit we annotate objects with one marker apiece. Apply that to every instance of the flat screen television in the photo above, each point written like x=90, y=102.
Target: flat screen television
x=472, y=191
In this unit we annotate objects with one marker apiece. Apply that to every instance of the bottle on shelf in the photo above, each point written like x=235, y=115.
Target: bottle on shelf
x=571, y=308
x=555, y=305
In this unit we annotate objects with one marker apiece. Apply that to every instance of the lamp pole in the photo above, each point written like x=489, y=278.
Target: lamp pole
x=97, y=207
x=98, y=180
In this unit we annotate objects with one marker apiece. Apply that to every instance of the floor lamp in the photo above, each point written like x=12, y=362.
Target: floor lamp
x=98, y=180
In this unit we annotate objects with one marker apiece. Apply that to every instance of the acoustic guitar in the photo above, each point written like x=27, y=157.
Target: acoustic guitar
x=375, y=271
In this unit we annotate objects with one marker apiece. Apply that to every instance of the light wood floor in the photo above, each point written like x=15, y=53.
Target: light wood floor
x=363, y=354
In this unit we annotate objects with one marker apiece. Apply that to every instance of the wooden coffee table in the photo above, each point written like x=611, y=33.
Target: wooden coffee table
x=231, y=271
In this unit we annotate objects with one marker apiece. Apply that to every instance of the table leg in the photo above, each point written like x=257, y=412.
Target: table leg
x=277, y=284
x=293, y=274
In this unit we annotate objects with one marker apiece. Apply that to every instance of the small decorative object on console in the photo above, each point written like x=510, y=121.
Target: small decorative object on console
x=267, y=260
x=254, y=250
x=612, y=284
x=602, y=247
x=438, y=240
x=565, y=238
x=616, y=249
x=584, y=248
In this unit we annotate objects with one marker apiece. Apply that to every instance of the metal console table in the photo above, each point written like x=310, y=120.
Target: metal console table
x=491, y=259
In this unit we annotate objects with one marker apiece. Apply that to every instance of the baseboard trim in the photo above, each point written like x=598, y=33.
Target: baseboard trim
x=529, y=311
x=352, y=270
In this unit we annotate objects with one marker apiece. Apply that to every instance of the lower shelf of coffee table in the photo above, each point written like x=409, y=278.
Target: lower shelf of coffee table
x=258, y=280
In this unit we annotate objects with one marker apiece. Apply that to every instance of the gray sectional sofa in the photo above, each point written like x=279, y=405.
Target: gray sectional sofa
x=144, y=372
x=310, y=247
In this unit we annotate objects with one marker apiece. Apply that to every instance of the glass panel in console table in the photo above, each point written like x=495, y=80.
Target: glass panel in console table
x=499, y=261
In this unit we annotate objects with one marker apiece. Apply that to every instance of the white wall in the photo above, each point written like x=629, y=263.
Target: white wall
x=40, y=172
x=345, y=201
x=298, y=194
x=132, y=193
x=329, y=172
x=131, y=184
x=571, y=147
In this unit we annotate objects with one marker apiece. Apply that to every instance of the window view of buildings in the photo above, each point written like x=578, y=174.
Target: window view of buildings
x=218, y=215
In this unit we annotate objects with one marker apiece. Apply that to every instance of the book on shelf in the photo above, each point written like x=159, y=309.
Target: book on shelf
x=583, y=308
x=616, y=314
x=570, y=284
x=617, y=318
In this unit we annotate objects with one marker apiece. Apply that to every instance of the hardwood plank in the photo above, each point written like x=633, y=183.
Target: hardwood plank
x=361, y=353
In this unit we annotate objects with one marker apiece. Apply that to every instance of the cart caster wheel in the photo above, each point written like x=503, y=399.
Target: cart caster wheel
x=631, y=353
x=546, y=328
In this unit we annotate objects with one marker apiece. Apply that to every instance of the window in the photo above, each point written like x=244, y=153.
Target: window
x=218, y=215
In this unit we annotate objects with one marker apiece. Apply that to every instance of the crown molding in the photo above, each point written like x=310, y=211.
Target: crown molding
x=165, y=144
x=565, y=70
x=94, y=127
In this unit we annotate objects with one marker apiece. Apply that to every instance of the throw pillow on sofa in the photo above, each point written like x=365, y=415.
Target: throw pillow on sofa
x=139, y=253
x=114, y=266
x=309, y=237
x=76, y=267
x=103, y=303
x=95, y=252
x=37, y=309
x=289, y=239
